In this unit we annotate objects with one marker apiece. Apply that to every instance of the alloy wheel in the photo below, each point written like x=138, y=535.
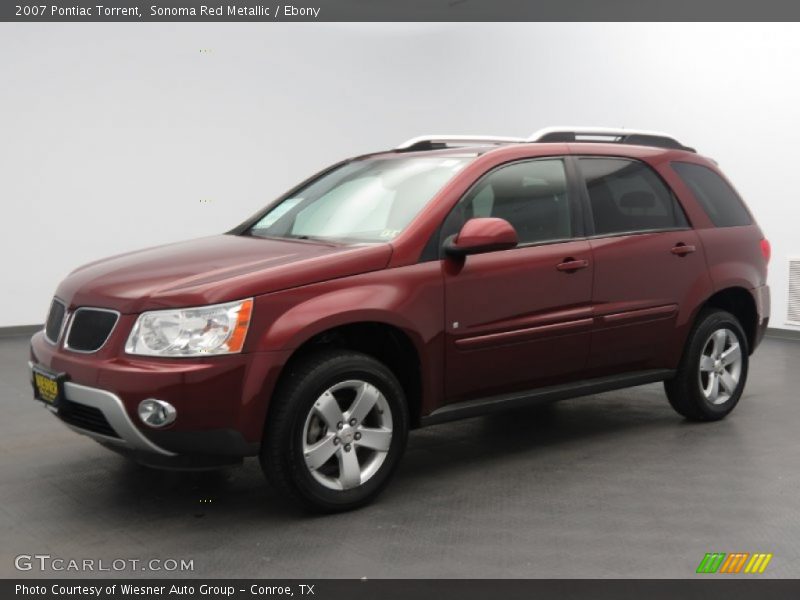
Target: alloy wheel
x=347, y=434
x=720, y=366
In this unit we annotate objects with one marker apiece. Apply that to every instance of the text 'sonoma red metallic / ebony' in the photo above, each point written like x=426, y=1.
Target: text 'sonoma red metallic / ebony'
x=449, y=277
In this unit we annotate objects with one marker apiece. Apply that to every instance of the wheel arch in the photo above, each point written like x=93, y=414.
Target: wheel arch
x=738, y=301
x=387, y=342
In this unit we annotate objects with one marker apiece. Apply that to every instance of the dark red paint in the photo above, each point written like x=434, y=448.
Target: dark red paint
x=484, y=235
x=483, y=324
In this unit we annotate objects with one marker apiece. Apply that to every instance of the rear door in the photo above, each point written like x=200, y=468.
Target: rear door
x=649, y=263
x=521, y=318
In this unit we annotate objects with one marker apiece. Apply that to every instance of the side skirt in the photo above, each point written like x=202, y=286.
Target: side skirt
x=482, y=406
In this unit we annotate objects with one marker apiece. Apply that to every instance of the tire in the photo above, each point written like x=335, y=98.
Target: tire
x=710, y=356
x=310, y=419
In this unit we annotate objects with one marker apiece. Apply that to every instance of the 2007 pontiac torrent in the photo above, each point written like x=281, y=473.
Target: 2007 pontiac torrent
x=446, y=278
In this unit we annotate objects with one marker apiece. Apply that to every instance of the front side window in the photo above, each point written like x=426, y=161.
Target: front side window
x=627, y=196
x=531, y=195
x=370, y=200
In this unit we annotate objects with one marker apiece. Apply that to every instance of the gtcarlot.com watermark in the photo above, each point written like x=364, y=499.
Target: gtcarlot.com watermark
x=46, y=562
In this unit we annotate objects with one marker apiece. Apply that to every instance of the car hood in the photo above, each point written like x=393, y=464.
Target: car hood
x=213, y=269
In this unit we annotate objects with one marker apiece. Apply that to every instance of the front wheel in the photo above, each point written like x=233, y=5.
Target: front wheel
x=713, y=370
x=336, y=431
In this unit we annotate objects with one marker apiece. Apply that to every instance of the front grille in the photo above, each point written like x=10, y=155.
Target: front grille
x=90, y=328
x=85, y=417
x=55, y=319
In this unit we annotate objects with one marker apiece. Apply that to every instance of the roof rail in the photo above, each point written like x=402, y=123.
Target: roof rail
x=608, y=135
x=431, y=142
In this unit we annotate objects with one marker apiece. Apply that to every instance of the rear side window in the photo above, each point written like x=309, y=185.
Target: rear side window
x=721, y=203
x=628, y=196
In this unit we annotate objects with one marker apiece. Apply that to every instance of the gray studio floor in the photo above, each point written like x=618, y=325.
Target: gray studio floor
x=614, y=485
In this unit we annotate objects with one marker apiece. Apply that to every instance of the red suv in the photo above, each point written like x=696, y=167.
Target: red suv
x=449, y=277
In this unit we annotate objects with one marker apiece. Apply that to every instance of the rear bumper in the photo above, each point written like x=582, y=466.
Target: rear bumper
x=761, y=295
x=221, y=402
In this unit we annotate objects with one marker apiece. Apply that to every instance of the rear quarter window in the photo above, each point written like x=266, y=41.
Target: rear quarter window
x=718, y=199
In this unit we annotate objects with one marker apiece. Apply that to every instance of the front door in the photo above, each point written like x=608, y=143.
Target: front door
x=521, y=318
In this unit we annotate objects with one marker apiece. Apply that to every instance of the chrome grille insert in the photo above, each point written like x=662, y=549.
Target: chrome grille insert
x=89, y=329
x=56, y=318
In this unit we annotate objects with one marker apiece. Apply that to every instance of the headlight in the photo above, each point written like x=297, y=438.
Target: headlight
x=215, y=329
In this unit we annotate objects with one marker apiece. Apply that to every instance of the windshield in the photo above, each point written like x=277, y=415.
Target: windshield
x=370, y=200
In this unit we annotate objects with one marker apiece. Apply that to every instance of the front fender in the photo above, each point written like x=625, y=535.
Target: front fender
x=409, y=298
x=312, y=316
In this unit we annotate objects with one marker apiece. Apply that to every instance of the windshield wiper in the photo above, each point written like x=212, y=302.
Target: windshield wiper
x=311, y=238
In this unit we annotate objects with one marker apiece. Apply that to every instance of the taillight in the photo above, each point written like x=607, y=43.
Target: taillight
x=766, y=250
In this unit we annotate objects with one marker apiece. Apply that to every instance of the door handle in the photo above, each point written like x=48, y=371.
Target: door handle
x=682, y=249
x=570, y=265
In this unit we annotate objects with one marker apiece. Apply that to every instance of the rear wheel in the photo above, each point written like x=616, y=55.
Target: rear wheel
x=713, y=370
x=336, y=431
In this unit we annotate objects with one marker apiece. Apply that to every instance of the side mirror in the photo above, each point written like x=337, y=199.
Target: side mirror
x=481, y=235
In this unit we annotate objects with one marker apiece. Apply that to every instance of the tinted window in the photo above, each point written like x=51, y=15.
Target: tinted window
x=532, y=196
x=627, y=195
x=722, y=205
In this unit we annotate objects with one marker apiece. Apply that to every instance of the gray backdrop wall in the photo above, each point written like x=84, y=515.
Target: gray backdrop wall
x=118, y=136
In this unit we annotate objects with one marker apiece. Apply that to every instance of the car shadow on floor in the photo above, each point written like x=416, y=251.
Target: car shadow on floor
x=431, y=452
x=539, y=428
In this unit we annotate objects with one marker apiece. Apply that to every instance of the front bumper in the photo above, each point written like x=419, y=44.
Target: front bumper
x=221, y=402
x=120, y=431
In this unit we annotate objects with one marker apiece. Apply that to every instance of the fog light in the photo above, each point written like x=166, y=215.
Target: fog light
x=156, y=413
